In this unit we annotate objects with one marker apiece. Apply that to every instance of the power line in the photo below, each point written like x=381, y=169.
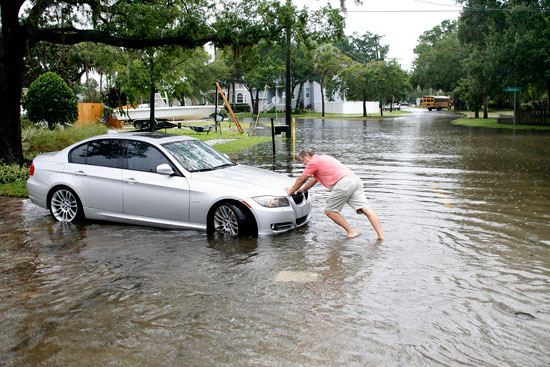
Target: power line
x=539, y=10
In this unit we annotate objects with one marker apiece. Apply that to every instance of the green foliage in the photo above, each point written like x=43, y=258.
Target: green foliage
x=527, y=106
x=60, y=59
x=512, y=42
x=13, y=172
x=42, y=140
x=239, y=107
x=363, y=48
x=49, y=99
x=439, y=62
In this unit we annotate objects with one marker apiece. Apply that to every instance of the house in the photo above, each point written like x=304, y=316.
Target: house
x=310, y=99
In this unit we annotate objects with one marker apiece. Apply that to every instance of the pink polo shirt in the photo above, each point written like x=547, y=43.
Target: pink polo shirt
x=326, y=169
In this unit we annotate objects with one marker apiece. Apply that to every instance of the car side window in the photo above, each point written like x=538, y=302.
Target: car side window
x=106, y=153
x=78, y=154
x=144, y=157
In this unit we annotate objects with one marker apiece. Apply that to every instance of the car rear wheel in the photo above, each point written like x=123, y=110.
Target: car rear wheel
x=229, y=219
x=65, y=206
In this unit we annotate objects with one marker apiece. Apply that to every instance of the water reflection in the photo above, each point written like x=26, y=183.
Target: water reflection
x=461, y=280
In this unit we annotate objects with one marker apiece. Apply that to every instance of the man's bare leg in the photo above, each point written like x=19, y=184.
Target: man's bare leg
x=341, y=221
x=375, y=221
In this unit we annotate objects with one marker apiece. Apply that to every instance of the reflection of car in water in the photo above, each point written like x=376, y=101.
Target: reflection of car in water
x=436, y=102
x=389, y=107
x=164, y=180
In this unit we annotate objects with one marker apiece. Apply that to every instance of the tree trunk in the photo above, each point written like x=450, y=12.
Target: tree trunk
x=364, y=107
x=12, y=48
x=234, y=99
x=228, y=93
x=322, y=96
x=255, y=105
x=381, y=106
x=299, y=98
x=88, y=82
x=253, y=100
x=288, y=87
x=485, y=107
x=152, y=107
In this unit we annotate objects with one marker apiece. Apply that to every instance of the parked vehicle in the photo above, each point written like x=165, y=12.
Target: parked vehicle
x=436, y=102
x=164, y=180
x=389, y=107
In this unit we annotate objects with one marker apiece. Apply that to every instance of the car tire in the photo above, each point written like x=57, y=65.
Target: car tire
x=65, y=205
x=229, y=219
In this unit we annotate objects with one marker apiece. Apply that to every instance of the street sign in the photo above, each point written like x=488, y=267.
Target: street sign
x=512, y=89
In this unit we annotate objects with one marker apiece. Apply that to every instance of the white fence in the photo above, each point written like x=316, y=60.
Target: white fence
x=348, y=107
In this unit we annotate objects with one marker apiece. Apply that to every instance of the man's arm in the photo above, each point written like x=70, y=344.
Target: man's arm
x=309, y=185
x=299, y=182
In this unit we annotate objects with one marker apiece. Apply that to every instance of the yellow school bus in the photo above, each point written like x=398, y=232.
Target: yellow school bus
x=436, y=102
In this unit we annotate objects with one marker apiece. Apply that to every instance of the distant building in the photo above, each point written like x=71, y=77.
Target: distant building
x=310, y=99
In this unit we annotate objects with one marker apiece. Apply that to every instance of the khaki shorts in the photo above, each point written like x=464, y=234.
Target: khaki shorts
x=348, y=190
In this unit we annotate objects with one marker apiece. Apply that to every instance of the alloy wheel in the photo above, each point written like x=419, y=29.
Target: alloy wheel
x=64, y=205
x=225, y=221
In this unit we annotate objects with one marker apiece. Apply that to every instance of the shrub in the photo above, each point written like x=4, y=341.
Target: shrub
x=49, y=99
x=37, y=140
x=241, y=107
x=13, y=172
x=527, y=106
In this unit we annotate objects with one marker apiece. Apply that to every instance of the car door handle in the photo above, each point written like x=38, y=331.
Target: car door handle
x=132, y=181
x=80, y=173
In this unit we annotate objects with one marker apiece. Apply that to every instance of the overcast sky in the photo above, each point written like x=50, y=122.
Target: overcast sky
x=401, y=22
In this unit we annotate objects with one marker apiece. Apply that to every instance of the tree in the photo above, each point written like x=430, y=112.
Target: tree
x=511, y=40
x=363, y=48
x=439, y=62
x=60, y=59
x=390, y=82
x=152, y=24
x=300, y=26
x=51, y=100
x=359, y=82
x=327, y=62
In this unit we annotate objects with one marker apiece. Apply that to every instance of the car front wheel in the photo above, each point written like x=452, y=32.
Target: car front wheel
x=230, y=219
x=65, y=206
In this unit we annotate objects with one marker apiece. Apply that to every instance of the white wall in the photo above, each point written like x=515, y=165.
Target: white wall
x=348, y=107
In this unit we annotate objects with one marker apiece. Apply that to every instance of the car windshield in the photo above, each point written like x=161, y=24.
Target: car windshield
x=196, y=156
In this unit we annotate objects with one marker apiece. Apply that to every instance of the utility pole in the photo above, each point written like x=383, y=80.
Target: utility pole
x=288, y=87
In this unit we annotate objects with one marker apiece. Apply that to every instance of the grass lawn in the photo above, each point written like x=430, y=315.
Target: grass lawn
x=17, y=189
x=228, y=131
x=492, y=122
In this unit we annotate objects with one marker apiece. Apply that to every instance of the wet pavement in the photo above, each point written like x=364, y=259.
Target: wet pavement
x=462, y=280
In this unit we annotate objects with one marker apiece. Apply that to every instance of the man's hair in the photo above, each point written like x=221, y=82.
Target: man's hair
x=306, y=151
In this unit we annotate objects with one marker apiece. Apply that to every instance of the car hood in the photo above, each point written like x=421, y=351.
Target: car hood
x=247, y=179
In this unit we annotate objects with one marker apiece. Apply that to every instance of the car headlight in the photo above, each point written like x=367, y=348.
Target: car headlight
x=271, y=201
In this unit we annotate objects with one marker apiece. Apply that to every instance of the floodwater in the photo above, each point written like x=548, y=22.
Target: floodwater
x=462, y=279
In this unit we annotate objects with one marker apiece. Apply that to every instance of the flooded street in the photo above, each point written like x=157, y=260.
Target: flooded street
x=463, y=278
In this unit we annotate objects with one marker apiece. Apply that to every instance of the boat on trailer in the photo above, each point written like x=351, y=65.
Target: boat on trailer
x=163, y=111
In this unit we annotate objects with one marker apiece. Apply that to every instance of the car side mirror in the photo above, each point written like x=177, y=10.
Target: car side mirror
x=165, y=169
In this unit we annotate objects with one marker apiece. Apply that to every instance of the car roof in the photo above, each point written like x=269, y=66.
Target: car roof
x=155, y=137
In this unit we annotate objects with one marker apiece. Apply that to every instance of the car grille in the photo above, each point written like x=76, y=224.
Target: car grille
x=300, y=197
x=301, y=220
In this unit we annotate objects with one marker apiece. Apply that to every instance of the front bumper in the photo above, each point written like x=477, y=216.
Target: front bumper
x=272, y=221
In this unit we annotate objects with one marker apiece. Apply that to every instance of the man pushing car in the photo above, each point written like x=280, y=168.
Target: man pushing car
x=344, y=185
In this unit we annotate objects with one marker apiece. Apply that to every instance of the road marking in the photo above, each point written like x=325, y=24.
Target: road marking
x=296, y=276
x=446, y=200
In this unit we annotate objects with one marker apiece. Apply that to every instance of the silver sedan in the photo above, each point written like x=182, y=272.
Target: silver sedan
x=164, y=180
